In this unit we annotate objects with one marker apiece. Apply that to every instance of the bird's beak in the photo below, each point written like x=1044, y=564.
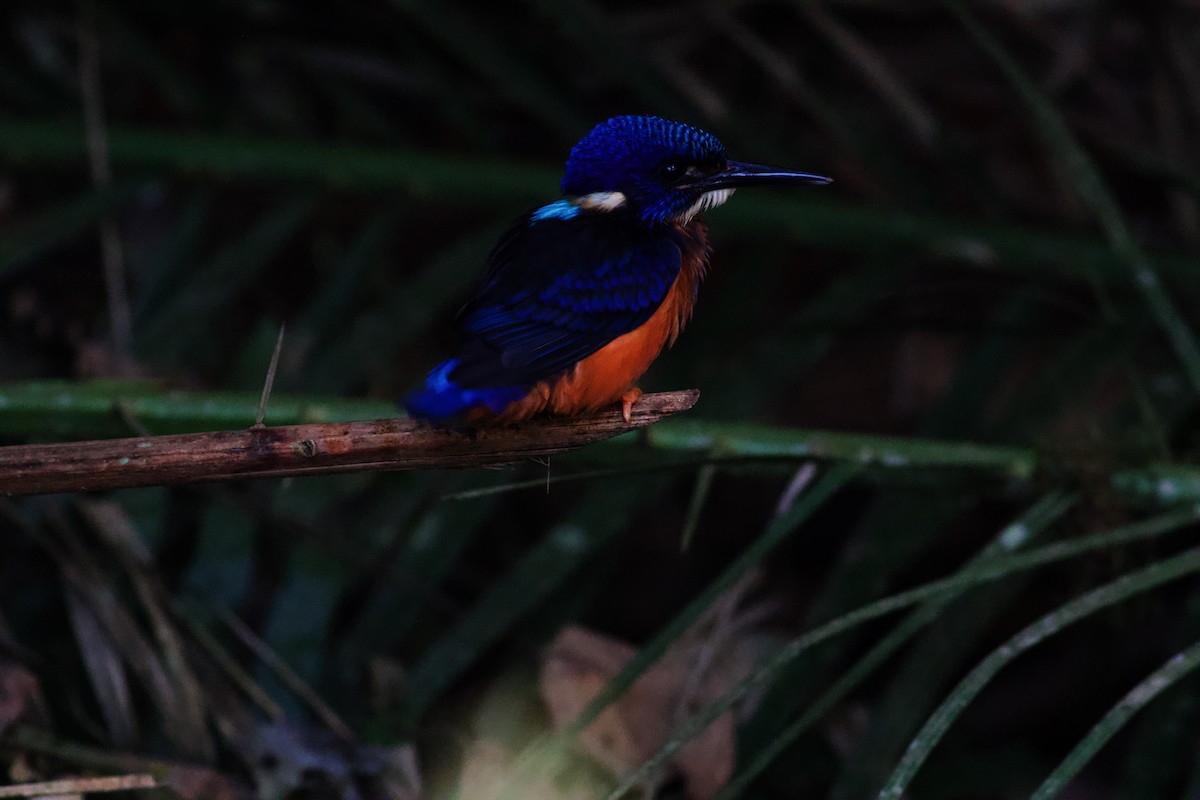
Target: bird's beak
x=737, y=173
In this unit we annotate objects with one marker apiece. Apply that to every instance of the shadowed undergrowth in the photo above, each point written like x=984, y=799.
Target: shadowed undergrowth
x=928, y=530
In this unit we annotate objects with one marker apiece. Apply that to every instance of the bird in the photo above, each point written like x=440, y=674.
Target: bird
x=582, y=294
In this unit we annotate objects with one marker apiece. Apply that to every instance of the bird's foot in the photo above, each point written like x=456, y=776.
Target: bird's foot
x=627, y=400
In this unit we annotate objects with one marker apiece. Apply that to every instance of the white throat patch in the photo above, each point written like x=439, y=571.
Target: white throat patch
x=707, y=200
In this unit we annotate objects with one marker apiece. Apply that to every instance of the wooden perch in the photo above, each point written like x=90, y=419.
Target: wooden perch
x=261, y=452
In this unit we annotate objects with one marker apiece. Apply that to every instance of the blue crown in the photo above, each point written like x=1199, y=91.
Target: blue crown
x=620, y=153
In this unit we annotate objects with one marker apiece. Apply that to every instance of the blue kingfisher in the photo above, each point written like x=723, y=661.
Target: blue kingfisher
x=581, y=295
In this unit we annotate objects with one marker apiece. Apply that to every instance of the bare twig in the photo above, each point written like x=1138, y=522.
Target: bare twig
x=269, y=381
x=880, y=75
x=799, y=482
x=233, y=671
x=80, y=786
x=290, y=678
x=120, y=318
x=186, y=780
x=389, y=444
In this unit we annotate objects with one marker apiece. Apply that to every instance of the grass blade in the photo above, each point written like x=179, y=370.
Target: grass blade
x=83, y=410
x=1124, y=587
x=989, y=570
x=1093, y=192
x=56, y=226
x=539, y=572
x=779, y=529
x=497, y=62
x=542, y=753
x=1040, y=516
x=1179, y=666
x=484, y=182
x=761, y=441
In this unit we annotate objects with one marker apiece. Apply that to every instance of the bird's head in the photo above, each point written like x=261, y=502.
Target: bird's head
x=662, y=170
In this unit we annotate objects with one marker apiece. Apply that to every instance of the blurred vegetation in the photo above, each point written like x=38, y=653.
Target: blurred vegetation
x=981, y=336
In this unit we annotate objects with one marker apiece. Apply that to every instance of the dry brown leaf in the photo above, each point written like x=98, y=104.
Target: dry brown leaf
x=187, y=718
x=580, y=662
x=577, y=666
x=111, y=636
x=104, y=668
x=19, y=690
x=706, y=762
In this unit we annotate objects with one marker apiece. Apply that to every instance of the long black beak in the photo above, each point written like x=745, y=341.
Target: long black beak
x=737, y=173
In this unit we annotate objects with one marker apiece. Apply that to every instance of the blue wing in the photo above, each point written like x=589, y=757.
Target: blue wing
x=558, y=289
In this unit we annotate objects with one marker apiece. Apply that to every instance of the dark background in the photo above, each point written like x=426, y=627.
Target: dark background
x=344, y=168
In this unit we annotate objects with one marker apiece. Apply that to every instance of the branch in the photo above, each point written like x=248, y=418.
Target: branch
x=262, y=452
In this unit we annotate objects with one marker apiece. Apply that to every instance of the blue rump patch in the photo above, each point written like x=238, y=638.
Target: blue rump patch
x=442, y=399
x=559, y=209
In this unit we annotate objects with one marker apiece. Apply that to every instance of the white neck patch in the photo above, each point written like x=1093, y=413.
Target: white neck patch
x=707, y=200
x=602, y=201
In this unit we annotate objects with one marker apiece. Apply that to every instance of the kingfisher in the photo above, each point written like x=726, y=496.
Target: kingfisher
x=582, y=294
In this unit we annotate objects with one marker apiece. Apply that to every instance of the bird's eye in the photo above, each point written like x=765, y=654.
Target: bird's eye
x=672, y=172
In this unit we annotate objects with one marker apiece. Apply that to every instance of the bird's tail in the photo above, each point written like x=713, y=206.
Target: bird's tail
x=441, y=399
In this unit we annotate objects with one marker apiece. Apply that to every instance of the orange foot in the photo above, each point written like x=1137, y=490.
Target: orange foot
x=627, y=400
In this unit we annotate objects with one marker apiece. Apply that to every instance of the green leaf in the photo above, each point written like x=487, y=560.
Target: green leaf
x=61, y=409
x=1124, y=587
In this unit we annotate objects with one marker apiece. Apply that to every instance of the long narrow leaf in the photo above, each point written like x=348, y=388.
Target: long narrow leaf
x=1014, y=535
x=988, y=570
x=1129, y=585
x=483, y=182
x=1177, y=667
x=540, y=571
x=781, y=527
x=1094, y=192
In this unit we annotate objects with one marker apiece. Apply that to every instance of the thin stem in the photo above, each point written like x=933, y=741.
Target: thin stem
x=112, y=257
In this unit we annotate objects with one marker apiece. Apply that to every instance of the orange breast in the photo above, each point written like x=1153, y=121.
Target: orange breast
x=605, y=376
